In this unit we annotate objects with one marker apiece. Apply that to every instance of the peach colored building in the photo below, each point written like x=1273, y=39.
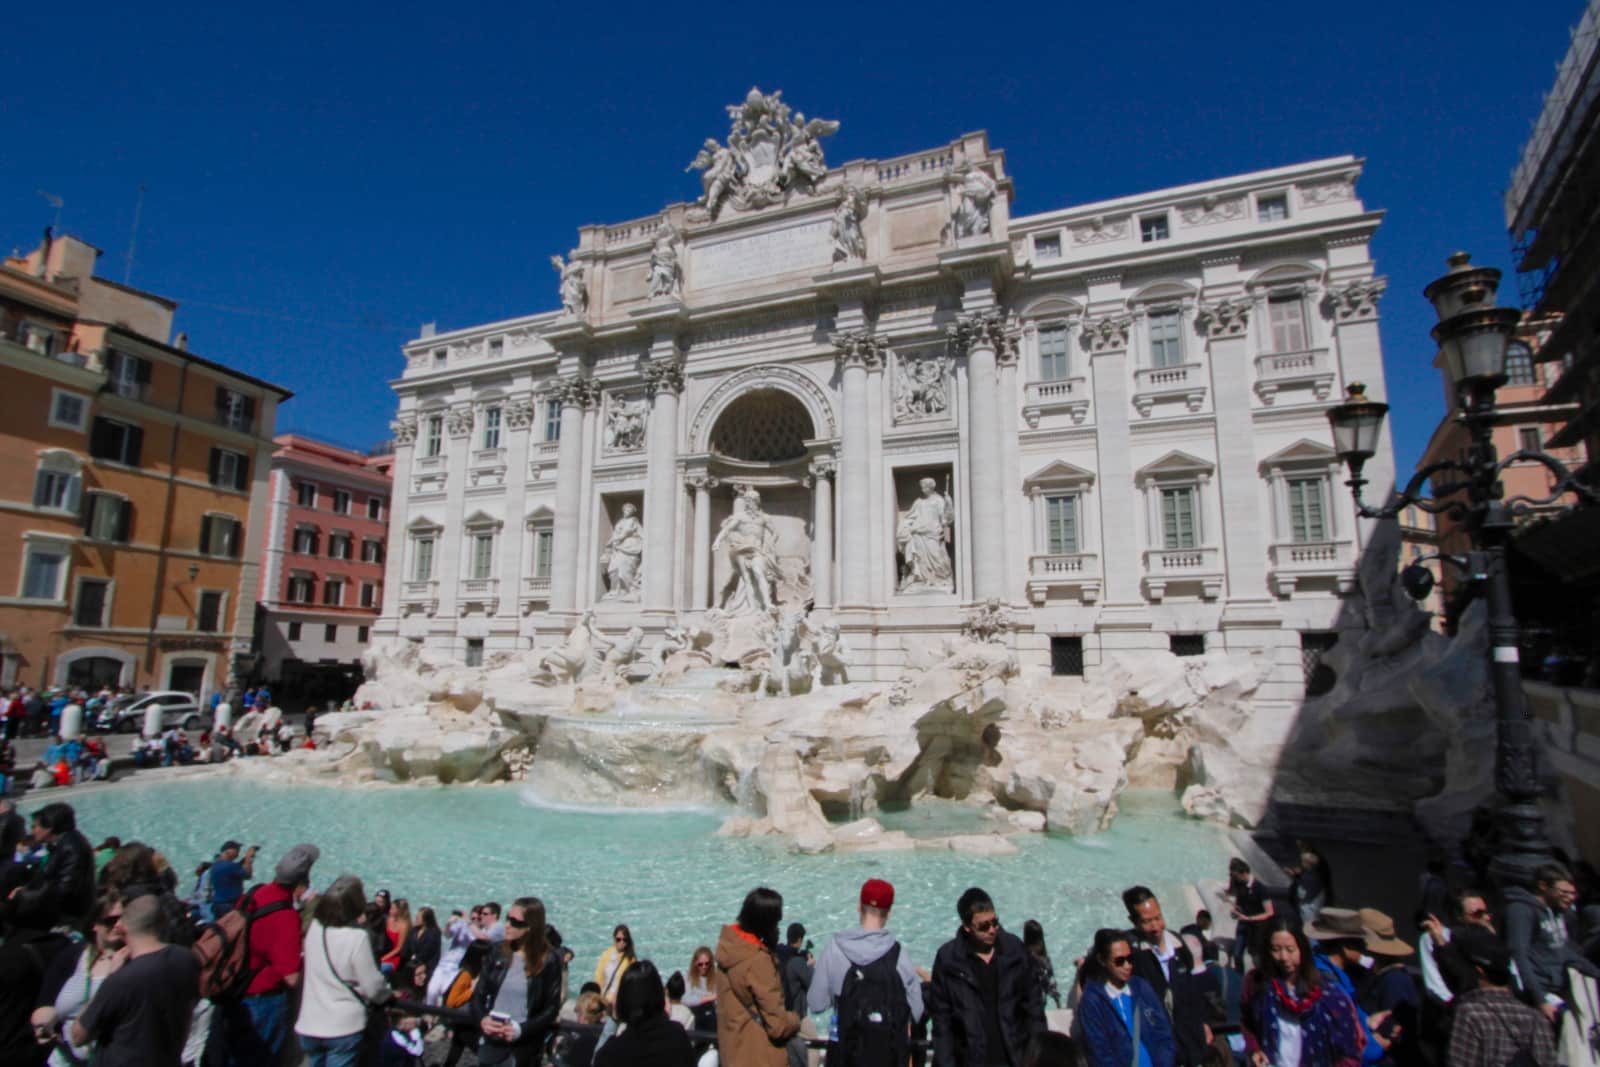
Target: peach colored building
x=322, y=559
x=1528, y=421
x=133, y=479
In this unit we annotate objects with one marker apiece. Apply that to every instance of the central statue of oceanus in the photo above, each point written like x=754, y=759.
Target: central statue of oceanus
x=772, y=152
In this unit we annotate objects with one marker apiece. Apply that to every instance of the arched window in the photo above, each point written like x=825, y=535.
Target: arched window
x=1519, y=364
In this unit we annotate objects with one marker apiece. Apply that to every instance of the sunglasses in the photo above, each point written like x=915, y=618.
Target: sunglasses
x=985, y=927
x=620, y=940
x=108, y=921
x=1121, y=961
x=512, y=920
x=1480, y=913
x=703, y=963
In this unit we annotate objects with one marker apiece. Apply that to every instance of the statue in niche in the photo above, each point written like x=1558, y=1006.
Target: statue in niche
x=923, y=534
x=978, y=191
x=622, y=556
x=848, y=242
x=625, y=422
x=751, y=544
x=574, y=290
x=665, y=274
x=920, y=388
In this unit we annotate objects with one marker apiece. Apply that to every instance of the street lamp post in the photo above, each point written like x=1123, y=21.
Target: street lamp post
x=1472, y=335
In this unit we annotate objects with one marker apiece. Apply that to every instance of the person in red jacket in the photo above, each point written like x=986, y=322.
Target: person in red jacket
x=255, y=1027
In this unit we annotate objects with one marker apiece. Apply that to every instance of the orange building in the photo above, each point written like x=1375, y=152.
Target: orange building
x=133, y=484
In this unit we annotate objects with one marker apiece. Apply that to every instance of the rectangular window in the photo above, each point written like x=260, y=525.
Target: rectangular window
x=434, y=443
x=119, y=442
x=1061, y=524
x=57, y=490
x=1288, y=316
x=474, y=651
x=423, y=570
x=491, y=428
x=1528, y=439
x=1187, y=644
x=371, y=551
x=294, y=631
x=339, y=546
x=1047, y=246
x=1177, y=518
x=300, y=589
x=1053, y=362
x=68, y=410
x=552, y=421
x=43, y=572
x=482, y=555
x=1166, y=339
x=91, y=607
x=1306, y=519
x=374, y=508
x=305, y=494
x=333, y=592
x=330, y=633
x=543, y=542
x=106, y=517
x=230, y=470
x=208, y=619
x=128, y=376
x=369, y=595
x=361, y=634
x=219, y=536
x=40, y=339
x=1154, y=228
x=1319, y=678
x=1066, y=656
x=305, y=541
x=441, y=356
x=235, y=410
x=341, y=502
x=1273, y=208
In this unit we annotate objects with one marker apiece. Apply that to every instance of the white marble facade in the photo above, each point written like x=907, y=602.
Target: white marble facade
x=1110, y=416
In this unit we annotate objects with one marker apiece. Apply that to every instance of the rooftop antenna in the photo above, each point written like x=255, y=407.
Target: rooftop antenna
x=56, y=202
x=133, y=238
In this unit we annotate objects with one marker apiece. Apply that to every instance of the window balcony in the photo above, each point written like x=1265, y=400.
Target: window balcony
x=1153, y=385
x=478, y=594
x=1295, y=561
x=535, y=591
x=420, y=596
x=1164, y=567
x=1064, y=571
x=1070, y=395
x=1310, y=369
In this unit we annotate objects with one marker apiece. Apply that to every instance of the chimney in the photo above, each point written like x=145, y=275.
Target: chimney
x=182, y=343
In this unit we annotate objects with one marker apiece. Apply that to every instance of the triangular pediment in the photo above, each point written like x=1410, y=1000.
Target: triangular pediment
x=1057, y=472
x=422, y=524
x=1175, y=463
x=1303, y=451
x=480, y=518
x=540, y=514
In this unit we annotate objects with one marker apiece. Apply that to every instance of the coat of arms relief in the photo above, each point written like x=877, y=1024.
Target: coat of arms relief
x=771, y=154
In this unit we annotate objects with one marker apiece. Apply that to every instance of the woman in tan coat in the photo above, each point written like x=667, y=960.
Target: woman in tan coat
x=753, y=1025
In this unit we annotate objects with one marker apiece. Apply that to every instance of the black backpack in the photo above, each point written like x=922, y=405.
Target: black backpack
x=873, y=1016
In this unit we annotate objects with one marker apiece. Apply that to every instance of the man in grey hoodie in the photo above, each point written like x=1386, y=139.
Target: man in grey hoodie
x=1539, y=938
x=859, y=947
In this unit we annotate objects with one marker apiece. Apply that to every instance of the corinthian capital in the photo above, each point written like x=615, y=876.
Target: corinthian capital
x=1355, y=301
x=983, y=329
x=458, y=423
x=1223, y=318
x=1109, y=333
x=404, y=428
x=519, y=413
x=664, y=376
x=859, y=348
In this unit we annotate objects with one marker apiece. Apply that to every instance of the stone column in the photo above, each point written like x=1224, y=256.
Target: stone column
x=664, y=380
x=404, y=428
x=981, y=336
x=458, y=429
x=1106, y=339
x=518, y=421
x=857, y=350
x=1009, y=473
x=700, y=567
x=1243, y=542
x=820, y=479
x=588, y=569
x=569, y=477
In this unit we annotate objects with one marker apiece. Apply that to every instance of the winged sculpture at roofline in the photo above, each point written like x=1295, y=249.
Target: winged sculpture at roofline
x=772, y=153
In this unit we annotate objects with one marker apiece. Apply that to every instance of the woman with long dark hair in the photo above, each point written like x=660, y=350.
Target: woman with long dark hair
x=420, y=955
x=753, y=1024
x=614, y=962
x=519, y=991
x=649, y=1037
x=1294, y=1016
x=1121, y=1018
x=1044, y=972
x=341, y=979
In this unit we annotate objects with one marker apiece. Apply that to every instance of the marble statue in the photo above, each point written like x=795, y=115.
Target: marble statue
x=751, y=543
x=665, y=273
x=623, y=654
x=771, y=153
x=679, y=636
x=789, y=660
x=989, y=622
x=921, y=389
x=622, y=555
x=572, y=659
x=625, y=424
x=574, y=289
x=923, y=534
x=828, y=653
x=971, y=216
x=848, y=241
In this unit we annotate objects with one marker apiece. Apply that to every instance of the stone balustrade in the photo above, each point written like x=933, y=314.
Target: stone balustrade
x=1309, y=369
x=1200, y=566
x=1293, y=561
x=1185, y=382
x=1066, y=571
x=1069, y=395
x=420, y=596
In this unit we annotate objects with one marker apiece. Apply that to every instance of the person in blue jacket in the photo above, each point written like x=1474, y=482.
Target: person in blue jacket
x=1117, y=1004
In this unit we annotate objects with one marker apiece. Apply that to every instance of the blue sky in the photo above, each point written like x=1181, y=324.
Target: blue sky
x=321, y=180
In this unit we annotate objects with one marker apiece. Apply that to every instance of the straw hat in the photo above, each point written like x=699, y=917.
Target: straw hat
x=1380, y=936
x=1337, y=924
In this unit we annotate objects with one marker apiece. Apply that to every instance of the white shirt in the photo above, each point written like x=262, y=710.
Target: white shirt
x=328, y=1006
x=1288, y=1042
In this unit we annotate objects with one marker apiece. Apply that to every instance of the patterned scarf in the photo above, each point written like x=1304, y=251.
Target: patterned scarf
x=1330, y=1032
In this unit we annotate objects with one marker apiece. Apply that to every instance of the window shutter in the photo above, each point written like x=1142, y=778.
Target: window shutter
x=222, y=401
x=74, y=490
x=235, y=528
x=241, y=473
x=89, y=502
x=101, y=443
x=124, y=520
x=141, y=370
x=205, y=535
x=40, y=494
x=135, y=445
x=249, y=412
x=216, y=466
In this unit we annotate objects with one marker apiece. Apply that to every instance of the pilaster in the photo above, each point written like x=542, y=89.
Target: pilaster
x=518, y=422
x=857, y=351
x=404, y=428
x=664, y=381
x=1105, y=339
x=458, y=425
x=1352, y=308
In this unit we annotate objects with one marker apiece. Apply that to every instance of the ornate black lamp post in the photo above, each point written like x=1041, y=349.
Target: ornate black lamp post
x=1472, y=334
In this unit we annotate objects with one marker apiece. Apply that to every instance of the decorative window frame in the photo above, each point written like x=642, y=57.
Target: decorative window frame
x=1157, y=298
x=82, y=425
x=69, y=464
x=1290, y=279
x=474, y=526
x=1304, y=459
x=105, y=608
x=38, y=541
x=1177, y=470
x=418, y=530
x=1060, y=478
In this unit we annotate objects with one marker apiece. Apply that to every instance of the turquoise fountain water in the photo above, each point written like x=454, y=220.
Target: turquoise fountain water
x=663, y=873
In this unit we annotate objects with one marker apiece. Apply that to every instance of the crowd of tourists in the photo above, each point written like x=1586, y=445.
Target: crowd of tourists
x=110, y=956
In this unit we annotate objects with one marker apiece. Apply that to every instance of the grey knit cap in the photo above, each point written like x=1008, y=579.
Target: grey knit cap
x=295, y=866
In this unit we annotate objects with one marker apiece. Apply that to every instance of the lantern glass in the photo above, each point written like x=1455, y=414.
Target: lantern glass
x=1356, y=427
x=1474, y=344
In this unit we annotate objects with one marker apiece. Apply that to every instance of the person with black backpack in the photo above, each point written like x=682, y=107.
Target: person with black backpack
x=874, y=991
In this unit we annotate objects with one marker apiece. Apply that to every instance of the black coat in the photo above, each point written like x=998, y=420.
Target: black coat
x=544, y=995
x=657, y=1042
x=1184, y=997
x=955, y=1003
x=62, y=891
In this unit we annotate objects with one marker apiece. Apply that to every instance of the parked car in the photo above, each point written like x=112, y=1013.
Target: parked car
x=126, y=716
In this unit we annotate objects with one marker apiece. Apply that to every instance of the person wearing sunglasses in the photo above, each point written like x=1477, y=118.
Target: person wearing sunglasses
x=614, y=961
x=984, y=1000
x=71, y=981
x=1120, y=1017
x=519, y=992
x=1446, y=972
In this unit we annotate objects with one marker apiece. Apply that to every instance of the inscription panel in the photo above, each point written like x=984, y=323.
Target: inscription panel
x=760, y=255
